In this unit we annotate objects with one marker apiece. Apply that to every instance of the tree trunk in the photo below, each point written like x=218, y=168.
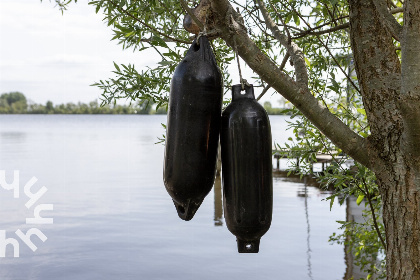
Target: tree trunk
x=393, y=144
x=399, y=186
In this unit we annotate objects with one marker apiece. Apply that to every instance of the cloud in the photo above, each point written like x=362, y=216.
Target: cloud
x=69, y=60
x=49, y=56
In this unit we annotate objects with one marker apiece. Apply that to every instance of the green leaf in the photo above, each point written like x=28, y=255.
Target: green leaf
x=307, y=62
x=335, y=84
x=165, y=62
x=361, y=111
x=360, y=199
x=296, y=19
x=156, y=40
x=130, y=34
x=288, y=18
x=364, y=134
x=331, y=201
x=117, y=67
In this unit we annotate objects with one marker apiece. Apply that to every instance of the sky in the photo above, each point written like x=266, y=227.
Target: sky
x=47, y=55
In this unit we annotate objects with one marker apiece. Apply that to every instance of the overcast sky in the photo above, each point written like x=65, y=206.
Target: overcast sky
x=50, y=56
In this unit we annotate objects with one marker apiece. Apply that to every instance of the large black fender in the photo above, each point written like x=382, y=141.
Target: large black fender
x=246, y=169
x=193, y=127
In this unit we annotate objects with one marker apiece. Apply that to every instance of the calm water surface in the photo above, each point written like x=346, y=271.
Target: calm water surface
x=113, y=218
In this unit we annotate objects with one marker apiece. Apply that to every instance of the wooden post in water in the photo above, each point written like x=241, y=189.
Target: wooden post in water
x=277, y=157
x=218, y=205
x=219, y=160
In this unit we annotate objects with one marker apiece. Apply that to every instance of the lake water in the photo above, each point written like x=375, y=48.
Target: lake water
x=113, y=218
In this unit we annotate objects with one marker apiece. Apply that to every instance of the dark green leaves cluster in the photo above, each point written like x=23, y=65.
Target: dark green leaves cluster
x=148, y=85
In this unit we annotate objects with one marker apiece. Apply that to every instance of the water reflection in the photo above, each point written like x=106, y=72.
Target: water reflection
x=295, y=178
x=114, y=218
x=353, y=214
x=13, y=142
x=12, y=139
x=308, y=252
x=218, y=204
x=15, y=137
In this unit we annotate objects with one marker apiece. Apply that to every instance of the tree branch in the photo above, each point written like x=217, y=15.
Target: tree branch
x=283, y=63
x=309, y=32
x=265, y=89
x=168, y=40
x=328, y=50
x=289, y=37
x=339, y=133
x=293, y=49
x=388, y=19
x=410, y=73
x=281, y=67
x=152, y=29
x=372, y=210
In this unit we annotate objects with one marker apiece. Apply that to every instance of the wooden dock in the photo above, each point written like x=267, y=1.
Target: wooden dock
x=323, y=159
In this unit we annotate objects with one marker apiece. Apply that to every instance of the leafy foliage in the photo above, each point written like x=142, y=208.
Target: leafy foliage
x=13, y=102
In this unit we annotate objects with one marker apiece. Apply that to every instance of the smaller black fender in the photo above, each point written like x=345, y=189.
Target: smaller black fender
x=247, y=169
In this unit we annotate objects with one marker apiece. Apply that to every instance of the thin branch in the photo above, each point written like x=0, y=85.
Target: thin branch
x=289, y=38
x=263, y=92
x=397, y=10
x=327, y=23
x=309, y=32
x=283, y=63
x=122, y=10
x=168, y=40
x=388, y=19
x=293, y=49
x=353, y=118
x=331, y=14
x=328, y=50
x=261, y=21
x=281, y=67
x=291, y=27
x=330, y=152
x=339, y=66
x=392, y=11
x=372, y=209
x=257, y=21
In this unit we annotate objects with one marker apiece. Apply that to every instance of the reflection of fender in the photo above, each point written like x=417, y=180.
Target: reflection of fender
x=193, y=127
x=246, y=169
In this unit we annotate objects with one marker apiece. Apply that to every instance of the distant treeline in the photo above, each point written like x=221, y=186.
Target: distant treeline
x=16, y=103
x=275, y=111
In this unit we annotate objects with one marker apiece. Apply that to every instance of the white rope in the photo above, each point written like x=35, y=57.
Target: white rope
x=243, y=81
